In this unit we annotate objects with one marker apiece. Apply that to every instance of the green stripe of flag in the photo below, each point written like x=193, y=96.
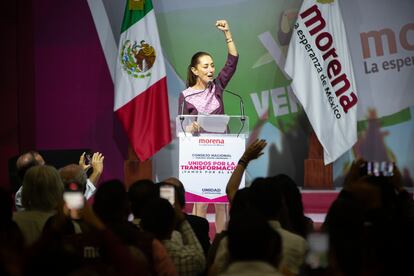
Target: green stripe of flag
x=132, y=17
x=393, y=119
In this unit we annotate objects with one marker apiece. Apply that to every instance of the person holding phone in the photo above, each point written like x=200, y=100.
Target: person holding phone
x=204, y=95
x=173, y=186
x=33, y=158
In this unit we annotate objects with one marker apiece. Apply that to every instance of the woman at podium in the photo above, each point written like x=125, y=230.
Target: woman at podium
x=204, y=95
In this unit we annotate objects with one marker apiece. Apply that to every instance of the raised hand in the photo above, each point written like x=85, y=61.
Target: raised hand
x=98, y=166
x=97, y=162
x=254, y=150
x=82, y=162
x=222, y=25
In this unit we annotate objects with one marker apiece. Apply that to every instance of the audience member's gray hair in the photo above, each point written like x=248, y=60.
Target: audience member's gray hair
x=73, y=173
x=42, y=188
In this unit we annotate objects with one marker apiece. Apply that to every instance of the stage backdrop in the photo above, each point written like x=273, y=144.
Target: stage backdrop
x=382, y=50
x=381, y=38
x=74, y=45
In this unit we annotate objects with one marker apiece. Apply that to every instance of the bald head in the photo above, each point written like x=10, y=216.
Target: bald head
x=26, y=161
x=28, y=157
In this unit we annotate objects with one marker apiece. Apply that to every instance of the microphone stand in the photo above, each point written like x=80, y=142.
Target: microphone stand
x=242, y=117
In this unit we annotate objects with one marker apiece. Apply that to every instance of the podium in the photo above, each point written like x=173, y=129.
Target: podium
x=209, y=155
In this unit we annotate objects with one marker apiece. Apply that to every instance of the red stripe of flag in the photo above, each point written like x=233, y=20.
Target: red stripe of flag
x=146, y=120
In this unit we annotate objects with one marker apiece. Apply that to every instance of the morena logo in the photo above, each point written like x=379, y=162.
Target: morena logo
x=324, y=41
x=386, y=37
x=211, y=141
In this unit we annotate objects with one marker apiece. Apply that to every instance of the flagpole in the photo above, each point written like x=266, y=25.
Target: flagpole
x=134, y=169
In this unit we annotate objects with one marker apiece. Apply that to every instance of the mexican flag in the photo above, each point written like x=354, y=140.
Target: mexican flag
x=141, y=98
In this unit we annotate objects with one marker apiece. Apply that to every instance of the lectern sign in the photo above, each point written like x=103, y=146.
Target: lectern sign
x=206, y=164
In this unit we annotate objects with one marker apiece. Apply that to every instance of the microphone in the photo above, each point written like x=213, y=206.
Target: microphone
x=190, y=95
x=241, y=103
x=243, y=117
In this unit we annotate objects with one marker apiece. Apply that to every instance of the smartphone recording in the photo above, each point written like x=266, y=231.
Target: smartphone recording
x=168, y=193
x=73, y=196
x=88, y=158
x=379, y=168
x=73, y=200
x=317, y=256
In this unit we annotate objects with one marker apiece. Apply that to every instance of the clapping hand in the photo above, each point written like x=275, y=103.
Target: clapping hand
x=97, y=162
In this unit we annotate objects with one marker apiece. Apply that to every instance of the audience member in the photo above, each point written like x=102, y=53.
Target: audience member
x=239, y=205
x=23, y=163
x=75, y=173
x=254, y=247
x=26, y=161
x=140, y=194
x=370, y=225
x=253, y=151
x=344, y=224
x=99, y=252
x=199, y=225
x=41, y=194
x=32, y=158
x=267, y=198
x=11, y=238
x=112, y=207
x=96, y=163
x=160, y=218
x=296, y=221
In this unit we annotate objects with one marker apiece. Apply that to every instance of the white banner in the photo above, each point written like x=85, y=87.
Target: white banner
x=320, y=66
x=206, y=164
x=382, y=49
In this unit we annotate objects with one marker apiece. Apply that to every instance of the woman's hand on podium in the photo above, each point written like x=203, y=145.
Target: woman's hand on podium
x=193, y=128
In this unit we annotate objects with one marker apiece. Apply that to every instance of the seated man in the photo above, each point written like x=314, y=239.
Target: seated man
x=199, y=225
x=159, y=218
x=23, y=164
